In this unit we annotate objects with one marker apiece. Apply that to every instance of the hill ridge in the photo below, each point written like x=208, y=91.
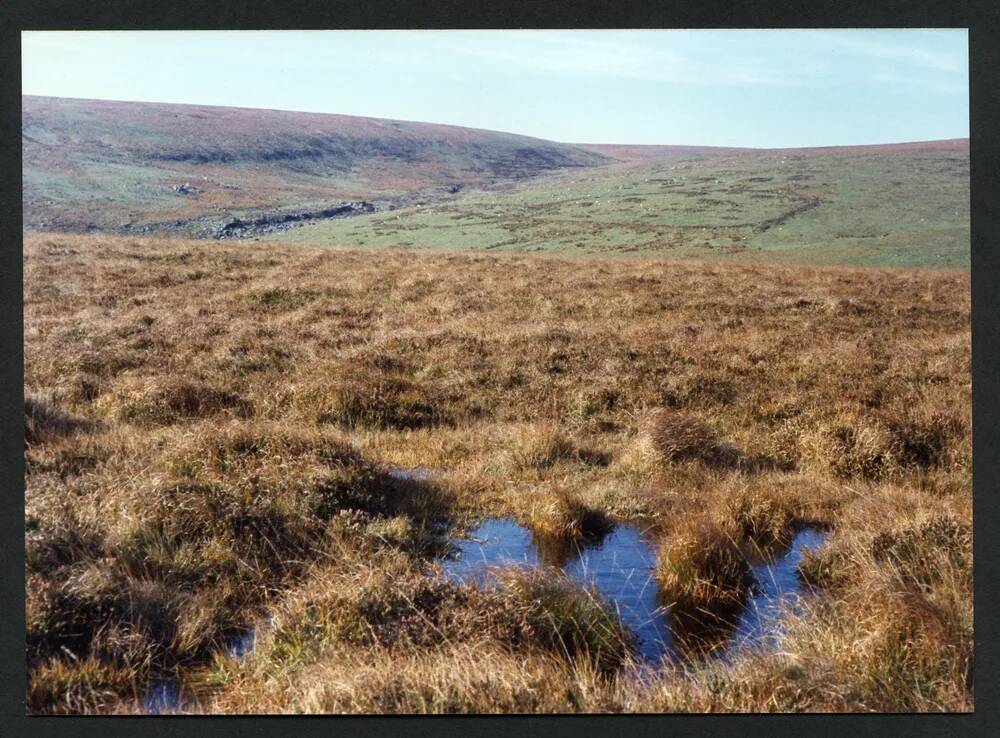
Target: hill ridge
x=80, y=155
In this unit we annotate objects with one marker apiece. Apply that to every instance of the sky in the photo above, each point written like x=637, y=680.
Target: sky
x=713, y=88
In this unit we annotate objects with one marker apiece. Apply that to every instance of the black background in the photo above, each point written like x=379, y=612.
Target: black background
x=981, y=17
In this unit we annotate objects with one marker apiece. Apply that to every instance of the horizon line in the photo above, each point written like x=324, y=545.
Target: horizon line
x=513, y=133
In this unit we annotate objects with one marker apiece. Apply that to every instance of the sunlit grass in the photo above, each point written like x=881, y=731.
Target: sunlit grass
x=210, y=431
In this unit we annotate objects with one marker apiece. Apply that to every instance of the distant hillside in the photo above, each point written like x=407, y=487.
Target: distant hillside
x=329, y=179
x=102, y=164
x=894, y=205
x=643, y=152
x=640, y=152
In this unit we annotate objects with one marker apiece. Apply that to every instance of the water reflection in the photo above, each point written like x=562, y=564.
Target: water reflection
x=416, y=474
x=162, y=698
x=621, y=566
x=779, y=589
x=242, y=644
x=166, y=696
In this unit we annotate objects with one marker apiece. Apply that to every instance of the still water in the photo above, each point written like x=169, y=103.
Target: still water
x=621, y=567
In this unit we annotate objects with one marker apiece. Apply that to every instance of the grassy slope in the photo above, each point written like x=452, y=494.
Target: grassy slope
x=109, y=163
x=905, y=205
x=105, y=165
x=190, y=469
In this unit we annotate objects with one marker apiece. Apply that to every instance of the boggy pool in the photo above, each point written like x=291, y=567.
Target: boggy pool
x=621, y=567
x=168, y=696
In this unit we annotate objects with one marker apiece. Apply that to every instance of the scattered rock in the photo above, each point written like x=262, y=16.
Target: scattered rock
x=187, y=189
x=238, y=228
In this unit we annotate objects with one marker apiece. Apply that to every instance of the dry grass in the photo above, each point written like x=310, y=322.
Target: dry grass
x=555, y=513
x=42, y=422
x=668, y=436
x=705, y=580
x=209, y=431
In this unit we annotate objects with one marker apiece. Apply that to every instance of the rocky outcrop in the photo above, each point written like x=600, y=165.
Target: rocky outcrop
x=239, y=228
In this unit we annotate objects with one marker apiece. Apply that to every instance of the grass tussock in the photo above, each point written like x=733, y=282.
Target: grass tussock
x=376, y=605
x=69, y=688
x=198, y=543
x=373, y=401
x=562, y=520
x=555, y=513
x=168, y=400
x=883, y=449
x=210, y=429
x=705, y=576
x=43, y=422
x=543, y=446
x=571, y=622
x=669, y=436
x=765, y=521
x=450, y=680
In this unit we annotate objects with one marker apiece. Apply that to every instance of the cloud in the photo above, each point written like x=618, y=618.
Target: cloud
x=904, y=59
x=879, y=47
x=49, y=41
x=638, y=55
x=774, y=59
x=767, y=59
x=920, y=83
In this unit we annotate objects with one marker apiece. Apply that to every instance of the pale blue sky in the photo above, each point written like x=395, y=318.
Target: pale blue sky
x=724, y=88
